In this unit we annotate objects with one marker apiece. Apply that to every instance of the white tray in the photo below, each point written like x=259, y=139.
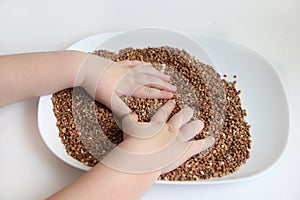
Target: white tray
x=262, y=94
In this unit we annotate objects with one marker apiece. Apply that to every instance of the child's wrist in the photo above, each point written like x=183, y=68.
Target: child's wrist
x=74, y=59
x=87, y=67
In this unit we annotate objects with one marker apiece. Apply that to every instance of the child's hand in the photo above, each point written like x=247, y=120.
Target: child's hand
x=158, y=145
x=130, y=78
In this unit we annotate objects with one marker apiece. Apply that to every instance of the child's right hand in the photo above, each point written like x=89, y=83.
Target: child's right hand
x=107, y=81
x=158, y=145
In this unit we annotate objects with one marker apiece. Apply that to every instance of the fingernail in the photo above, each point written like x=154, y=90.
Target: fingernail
x=172, y=101
x=208, y=142
x=134, y=116
x=167, y=77
x=171, y=95
x=173, y=88
x=201, y=125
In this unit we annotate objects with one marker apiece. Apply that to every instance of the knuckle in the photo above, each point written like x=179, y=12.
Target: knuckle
x=147, y=92
x=147, y=78
x=147, y=69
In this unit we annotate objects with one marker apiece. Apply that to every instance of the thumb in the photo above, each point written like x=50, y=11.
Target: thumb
x=119, y=107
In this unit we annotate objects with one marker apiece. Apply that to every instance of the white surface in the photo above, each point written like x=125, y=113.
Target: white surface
x=258, y=97
x=29, y=170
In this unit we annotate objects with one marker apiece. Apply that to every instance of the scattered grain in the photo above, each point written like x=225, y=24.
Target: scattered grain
x=89, y=136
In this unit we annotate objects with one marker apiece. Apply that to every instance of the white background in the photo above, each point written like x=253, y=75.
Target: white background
x=28, y=170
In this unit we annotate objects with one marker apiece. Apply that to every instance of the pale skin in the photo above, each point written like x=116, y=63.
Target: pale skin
x=25, y=76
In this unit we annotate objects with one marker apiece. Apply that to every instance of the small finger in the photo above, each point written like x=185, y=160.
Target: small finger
x=129, y=121
x=181, y=118
x=150, y=70
x=190, y=130
x=130, y=118
x=152, y=81
x=131, y=126
x=146, y=92
x=119, y=107
x=164, y=112
x=131, y=63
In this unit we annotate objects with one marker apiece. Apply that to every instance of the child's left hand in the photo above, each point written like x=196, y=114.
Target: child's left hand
x=160, y=145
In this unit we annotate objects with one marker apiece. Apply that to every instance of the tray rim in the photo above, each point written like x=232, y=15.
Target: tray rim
x=109, y=35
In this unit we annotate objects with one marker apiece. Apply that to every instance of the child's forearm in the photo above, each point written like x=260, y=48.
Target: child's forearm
x=105, y=183
x=30, y=75
x=24, y=76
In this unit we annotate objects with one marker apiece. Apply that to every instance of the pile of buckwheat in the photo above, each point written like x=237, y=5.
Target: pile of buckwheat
x=84, y=125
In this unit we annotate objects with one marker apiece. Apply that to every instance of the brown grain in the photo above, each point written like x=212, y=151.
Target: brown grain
x=213, y=99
